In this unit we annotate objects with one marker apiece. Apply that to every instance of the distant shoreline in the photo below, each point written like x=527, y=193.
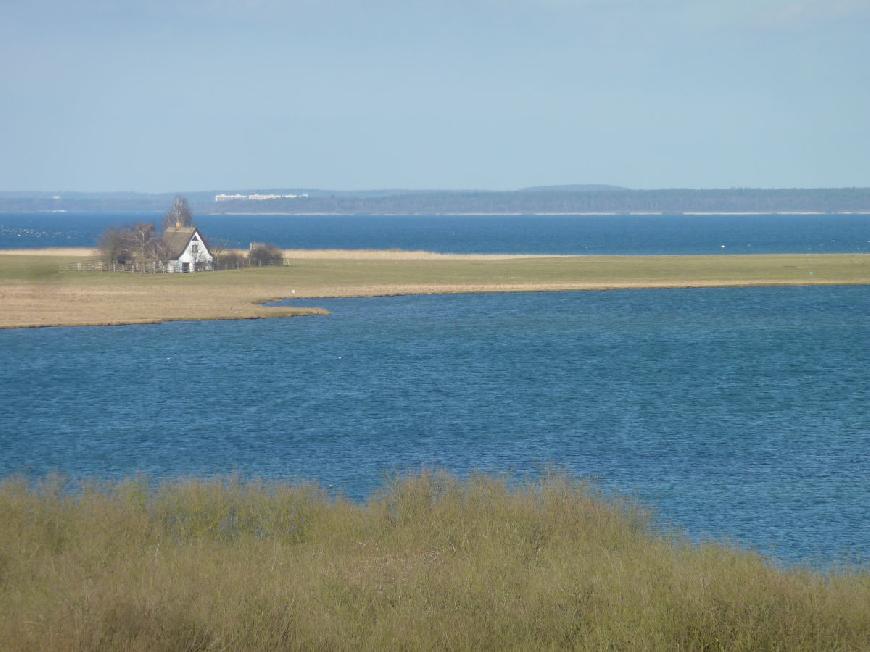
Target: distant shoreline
x=547, y=200
x=208, y=213
x=545, y=214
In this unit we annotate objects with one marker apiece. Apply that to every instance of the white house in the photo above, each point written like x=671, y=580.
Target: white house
x=187, y=251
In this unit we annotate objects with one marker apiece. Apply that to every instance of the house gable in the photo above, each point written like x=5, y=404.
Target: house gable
x=185, y=241
x=187, y=249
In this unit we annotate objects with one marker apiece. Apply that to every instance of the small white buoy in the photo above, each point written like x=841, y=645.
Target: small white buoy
x=722, y=246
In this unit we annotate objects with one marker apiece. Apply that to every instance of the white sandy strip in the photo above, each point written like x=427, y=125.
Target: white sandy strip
x=393, y=254
x=51, y=251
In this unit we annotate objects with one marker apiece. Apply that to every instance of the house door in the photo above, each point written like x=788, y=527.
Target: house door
x=185, y=267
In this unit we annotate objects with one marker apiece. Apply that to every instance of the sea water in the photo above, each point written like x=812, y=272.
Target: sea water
x=544, y=234
x=734, y=414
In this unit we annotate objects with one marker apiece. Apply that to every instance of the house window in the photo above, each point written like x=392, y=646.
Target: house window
x=194, y=248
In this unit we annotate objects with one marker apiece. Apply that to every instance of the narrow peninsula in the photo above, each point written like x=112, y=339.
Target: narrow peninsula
x=39, y=287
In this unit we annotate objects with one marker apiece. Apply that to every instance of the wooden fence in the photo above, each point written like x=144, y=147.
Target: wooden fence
x=153, y=267
x=96, y=265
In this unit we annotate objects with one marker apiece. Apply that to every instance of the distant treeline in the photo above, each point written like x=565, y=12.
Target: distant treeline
x=533, y=200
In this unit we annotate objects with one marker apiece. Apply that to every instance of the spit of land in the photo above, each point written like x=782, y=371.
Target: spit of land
x=36, y=291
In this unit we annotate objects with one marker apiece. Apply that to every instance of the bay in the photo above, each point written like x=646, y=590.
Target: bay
x=734, y=414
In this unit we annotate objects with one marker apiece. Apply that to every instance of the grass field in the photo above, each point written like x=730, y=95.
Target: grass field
x=33, y=292
x=431, y=563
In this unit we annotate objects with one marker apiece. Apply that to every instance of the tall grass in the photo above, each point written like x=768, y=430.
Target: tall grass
x=430, y=563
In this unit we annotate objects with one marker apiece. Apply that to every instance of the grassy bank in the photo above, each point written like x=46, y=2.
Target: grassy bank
x=432, y=563
x=33, y=292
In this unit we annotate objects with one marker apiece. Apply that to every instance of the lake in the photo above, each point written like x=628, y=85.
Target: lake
x=737, y=414
x=665, y=234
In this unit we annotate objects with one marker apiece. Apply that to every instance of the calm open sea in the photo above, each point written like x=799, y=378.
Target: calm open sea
x=666, y=234
x=739, y=414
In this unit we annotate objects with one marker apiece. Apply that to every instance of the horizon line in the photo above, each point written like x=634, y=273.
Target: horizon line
x=592, y=187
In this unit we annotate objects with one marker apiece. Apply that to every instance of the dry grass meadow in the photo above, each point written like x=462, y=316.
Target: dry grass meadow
x=34, y=292
x=430, y=563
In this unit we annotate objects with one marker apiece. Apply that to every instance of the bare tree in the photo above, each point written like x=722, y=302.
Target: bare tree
x=136, y=246
x=114, y=246
x=142, y=235
x=179, y=214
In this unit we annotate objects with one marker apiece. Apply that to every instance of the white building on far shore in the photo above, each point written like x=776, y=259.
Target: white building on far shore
x=257, y=197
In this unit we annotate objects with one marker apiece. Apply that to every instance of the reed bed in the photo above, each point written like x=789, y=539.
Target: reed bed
x=431, y=562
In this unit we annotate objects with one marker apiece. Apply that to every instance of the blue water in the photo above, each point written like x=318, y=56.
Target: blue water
x=482, y=234
x=739, y=414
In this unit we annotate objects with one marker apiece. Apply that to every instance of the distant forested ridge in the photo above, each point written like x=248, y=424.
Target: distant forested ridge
x=552, y=199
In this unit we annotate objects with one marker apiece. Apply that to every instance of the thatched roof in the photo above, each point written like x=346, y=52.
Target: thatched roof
x=176, y=239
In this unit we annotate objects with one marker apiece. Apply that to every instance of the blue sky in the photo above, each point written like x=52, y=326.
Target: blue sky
x=223, y=94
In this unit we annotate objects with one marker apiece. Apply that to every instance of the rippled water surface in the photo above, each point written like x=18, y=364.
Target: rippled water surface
x=612, y=234
x=735, y=413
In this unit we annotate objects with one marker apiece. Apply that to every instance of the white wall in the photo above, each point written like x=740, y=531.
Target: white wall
x=188, y=256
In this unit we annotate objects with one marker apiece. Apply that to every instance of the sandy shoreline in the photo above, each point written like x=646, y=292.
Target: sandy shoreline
x=73, y=252
x=396, y=254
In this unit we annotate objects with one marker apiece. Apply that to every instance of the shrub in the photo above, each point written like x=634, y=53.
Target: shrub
x=230, y=260
x=265, y=254
x=431, y=562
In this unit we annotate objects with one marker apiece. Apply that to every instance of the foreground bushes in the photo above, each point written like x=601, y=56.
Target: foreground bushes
x=431, y=563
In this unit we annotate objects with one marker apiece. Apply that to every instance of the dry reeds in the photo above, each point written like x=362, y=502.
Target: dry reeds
x=430, y=563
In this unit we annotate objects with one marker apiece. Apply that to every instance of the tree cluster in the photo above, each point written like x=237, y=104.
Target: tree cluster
x=140, y=247
x=137, y=246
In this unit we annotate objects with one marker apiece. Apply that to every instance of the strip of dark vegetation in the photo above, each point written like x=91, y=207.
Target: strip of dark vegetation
x=558, y=199
x=431, y=562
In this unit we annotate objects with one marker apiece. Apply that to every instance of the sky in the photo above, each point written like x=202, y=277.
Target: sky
x=175, y=95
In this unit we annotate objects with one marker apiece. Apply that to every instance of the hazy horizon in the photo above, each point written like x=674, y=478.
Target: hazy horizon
x=483, y=94
x=555, y=187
